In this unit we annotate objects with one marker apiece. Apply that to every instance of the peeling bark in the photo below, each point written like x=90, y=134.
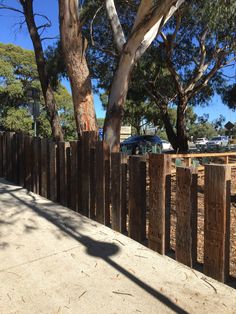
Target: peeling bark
x=74, y=48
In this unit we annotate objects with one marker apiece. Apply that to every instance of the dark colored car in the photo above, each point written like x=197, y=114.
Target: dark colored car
x=140, y=144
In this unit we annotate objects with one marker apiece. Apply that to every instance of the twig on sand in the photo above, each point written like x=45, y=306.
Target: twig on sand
x=82, y=294
x=123, y=293
x=119, y=241
x=204, y=279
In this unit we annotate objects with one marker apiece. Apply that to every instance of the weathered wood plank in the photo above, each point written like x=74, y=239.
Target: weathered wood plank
x=44, y=167
x=217, y=221
x=28, y=162
x=124, y=208
x=159, y=202
x=186, y=211
x=14, y=158
x=68, y=176
x=17, y=160
x=9, y=166
x=107, y=160
x=87, y=141
x=137, y=198
x=52, y=171
x=92, y=209
x=116, y=191
x=1, y=154
x=21, y=160
x=74, y=175
x=4, y=154
x=101, y=182
x=79, y=176
x=36, y=164
x=62, y=172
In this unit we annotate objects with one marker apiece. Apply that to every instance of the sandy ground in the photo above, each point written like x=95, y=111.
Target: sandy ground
x=53, y=260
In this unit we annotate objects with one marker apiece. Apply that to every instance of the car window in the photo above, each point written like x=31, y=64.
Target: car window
x=218, y=138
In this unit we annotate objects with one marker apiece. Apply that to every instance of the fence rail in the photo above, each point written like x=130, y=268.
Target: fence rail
x=112, y=189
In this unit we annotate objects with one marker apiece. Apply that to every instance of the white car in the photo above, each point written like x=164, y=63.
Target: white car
x=166, y=145
x=218, y=141
x=201, y=141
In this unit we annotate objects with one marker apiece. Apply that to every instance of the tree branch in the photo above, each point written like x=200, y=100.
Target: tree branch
x=91, y=24
x=50, y=38
x=150, y=19
x=118, y=33
x=5, y=7
x=170, y=65
x=201, y=66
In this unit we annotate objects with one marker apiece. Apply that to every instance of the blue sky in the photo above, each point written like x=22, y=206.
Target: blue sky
x=10, y=33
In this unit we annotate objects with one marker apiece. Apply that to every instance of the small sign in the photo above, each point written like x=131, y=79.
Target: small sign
x=229, y=125
x=125, y=130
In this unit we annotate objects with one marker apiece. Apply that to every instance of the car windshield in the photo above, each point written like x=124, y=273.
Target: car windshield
x=218, y=138
x=200, y=139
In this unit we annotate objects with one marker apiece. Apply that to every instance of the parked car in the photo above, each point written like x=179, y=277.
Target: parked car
x=139, y=144
x=201, y=141
x=166, y=145
x=218, y=141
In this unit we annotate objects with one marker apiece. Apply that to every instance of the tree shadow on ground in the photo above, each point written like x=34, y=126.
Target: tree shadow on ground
x=99, y=249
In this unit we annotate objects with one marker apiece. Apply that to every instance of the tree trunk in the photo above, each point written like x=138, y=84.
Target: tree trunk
x=48, y=94
x=150, y=18
x=182, y=139
x=74, y=48
x=172, y=137
x=117, y=97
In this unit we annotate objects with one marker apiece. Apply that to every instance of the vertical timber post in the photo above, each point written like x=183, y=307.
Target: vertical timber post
x=87, y=141
x=21, y=159
x=217, y=221
x=28, y=162
x=186, y=211
x=52, y=171
x=116, y=191
x=159, y=202
x=1, y=154
x=102, y=153
x=137, y=198
x=74, y=175
x=44, y=167
x=62, y=172
x=92, y=205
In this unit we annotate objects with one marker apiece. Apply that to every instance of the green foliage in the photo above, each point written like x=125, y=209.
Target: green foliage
x=43, y=125
x=230, y=97
x=66, y=111
x=100, y=122
x=18, y=119
x=18, y=74
x=199, y=130
x=55, y=65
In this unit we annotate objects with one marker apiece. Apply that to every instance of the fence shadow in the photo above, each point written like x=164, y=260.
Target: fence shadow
x=99, y=249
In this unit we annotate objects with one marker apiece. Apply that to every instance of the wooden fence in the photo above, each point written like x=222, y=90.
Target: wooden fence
x=112, y=189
